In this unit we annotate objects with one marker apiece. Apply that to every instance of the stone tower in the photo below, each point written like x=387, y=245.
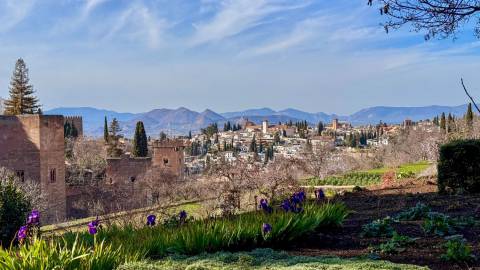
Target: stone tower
x=169, y=154
x=32, y=146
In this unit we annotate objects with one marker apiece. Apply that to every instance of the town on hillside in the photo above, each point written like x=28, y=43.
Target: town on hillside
x=326, y=152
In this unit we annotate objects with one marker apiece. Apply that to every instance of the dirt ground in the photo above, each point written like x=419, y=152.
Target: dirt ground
x=378, y=202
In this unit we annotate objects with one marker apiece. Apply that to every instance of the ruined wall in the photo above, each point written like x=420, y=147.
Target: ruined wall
x=33, y=147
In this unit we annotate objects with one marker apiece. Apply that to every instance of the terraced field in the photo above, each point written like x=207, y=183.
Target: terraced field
x=369, y=177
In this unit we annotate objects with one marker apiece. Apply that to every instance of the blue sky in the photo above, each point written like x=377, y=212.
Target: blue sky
x=137, y=55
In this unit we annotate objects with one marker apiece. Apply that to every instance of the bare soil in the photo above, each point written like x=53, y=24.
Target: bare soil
x=378, y=202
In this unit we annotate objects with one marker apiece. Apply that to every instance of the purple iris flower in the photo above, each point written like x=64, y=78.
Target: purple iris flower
x=266, y=228
x=286, y=206
x=92, y=226
x=151, y=220
x=265, y=207
x=183, y=215
x=22, y=233
x=33, y=218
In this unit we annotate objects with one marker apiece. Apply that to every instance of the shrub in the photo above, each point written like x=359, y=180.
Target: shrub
x=457, y=250
x=14, y=207
x=418, y=212
x=459, y=166
x=396, y=244
x=441, y=224
x=378, y=228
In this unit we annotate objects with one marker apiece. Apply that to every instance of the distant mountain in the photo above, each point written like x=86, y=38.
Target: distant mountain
x=182, y=120
x=93, y=118
x=251, y=112
x=398, y=114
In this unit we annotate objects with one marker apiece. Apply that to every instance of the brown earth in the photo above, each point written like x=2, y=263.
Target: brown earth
x=378, y=202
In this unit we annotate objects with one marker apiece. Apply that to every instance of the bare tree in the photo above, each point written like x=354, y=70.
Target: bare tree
x=276, y=178
x=86, y=160
x=438, y=18
x=231, y=180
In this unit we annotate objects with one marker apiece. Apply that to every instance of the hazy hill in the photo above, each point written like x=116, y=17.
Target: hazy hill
x=182, y=120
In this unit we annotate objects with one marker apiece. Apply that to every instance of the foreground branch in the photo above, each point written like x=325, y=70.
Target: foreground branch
x=473, y=101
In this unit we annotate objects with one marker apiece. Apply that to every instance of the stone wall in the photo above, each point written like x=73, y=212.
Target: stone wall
x=32, y=146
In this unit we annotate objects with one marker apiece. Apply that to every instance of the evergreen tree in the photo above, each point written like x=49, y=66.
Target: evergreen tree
x=22, y=99
x=190, y=134
x=140, y=143
x=443, y=122
x=115, y=129
x=469, y=115
x=450, y=122
x=253, y=145
x=320, y=128
x=163, y=136
x=105, y=130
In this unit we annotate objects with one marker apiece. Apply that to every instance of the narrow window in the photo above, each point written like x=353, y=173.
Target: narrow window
x=165, y=161
x=53, y=175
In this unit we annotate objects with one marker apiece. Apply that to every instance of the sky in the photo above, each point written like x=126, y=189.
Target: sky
x=229, y=55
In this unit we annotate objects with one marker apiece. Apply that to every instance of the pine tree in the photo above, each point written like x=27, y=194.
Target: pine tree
x=469, y=115
x=190, y=134
x=22, y=99
x=106, y=135
x=443, y=122
x=140, y=143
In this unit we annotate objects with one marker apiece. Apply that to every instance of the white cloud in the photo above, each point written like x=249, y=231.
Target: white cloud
x=12, y=12
x=137, y=21
x=236, y=16
x=90, y=5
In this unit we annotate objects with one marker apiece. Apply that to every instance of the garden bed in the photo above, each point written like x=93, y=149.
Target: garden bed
x=378, y=203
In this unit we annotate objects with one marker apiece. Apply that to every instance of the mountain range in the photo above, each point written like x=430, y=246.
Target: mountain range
x=182, y=120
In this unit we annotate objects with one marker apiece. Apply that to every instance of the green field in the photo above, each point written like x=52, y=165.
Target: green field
x=368, y=177
x=262, y=259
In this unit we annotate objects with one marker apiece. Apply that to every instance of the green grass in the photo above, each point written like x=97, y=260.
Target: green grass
x=262, y=259
x=368, y=177
x=117, y=244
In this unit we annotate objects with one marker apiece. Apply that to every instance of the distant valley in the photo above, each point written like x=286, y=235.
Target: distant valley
x=182, y=120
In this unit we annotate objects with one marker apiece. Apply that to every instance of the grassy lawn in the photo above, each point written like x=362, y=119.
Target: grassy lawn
x=262, y=259
x=369, y=177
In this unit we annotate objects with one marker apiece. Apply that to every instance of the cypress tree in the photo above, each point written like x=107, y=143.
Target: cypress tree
x=105, y=130
x=22, y=99
x=469, y=115
x=140, y=143
x=443, y=122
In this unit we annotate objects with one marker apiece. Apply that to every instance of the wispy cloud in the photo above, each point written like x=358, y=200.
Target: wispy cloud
x=90, y=5
x=236, y=16
x=12, y=12
x=137, y=21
